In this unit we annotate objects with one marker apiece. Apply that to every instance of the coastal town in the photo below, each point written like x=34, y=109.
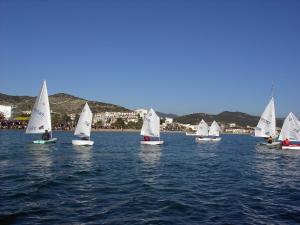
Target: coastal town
x=149, y=112
x=131, y=120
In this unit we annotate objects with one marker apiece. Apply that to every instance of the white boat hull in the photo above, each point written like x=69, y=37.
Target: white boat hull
x=151, y=142
x=291, y=147
x=207, y=139
x=190, y=134
x=82, y=142
x=272, y=145
x=52, y=140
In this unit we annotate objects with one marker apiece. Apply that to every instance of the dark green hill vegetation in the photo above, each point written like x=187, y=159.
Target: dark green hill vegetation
x=241, y=119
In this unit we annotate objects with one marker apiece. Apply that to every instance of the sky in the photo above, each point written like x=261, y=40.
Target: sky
x=178, y=57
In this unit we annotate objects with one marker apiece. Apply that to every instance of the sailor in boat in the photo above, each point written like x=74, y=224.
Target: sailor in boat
x=270, y=140
x=146, y=138
x=46, y=136
x=84, y=138
x=286, y=142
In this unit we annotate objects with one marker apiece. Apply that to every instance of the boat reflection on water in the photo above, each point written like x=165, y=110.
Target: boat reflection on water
x=41, y=156
x=83, y=156
x=207, y=150
x=276, y=166
x=150, y=155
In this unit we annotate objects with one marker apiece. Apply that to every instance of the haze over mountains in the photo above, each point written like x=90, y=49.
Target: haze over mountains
x=66, y=103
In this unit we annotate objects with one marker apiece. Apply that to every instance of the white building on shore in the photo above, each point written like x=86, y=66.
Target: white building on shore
x=168, y=120
x=142, y=112
x=6, y=110
x=111, y=117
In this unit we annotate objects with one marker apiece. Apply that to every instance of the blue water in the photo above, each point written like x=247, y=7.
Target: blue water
x=118, y=181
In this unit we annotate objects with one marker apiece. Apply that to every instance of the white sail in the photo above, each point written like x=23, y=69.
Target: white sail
x=83, y=128
x=151, y=125
x=266, y=126
x=40, y=119
x=202, y=129
x=214, y=129
x=290, y=128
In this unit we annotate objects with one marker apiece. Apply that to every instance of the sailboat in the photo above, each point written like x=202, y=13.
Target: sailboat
x=40, y=119
x=291, y=131
x=214, y=131
x=151, y=129
x=83, y=128
x=206, y=133
x=202, y=132
x=266, y=126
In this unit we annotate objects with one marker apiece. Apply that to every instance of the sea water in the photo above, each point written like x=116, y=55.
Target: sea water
x=119, y=181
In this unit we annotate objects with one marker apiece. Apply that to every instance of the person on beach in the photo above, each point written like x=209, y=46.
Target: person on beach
x=46, y=136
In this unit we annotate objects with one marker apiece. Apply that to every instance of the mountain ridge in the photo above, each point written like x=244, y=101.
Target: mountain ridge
x=239, y=118
x=60, y=103
x=170, y=115
x=64, y=103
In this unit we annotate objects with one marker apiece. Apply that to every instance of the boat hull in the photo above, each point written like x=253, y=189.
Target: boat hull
x=151, y=142
x=52, y=140
x=82, y=142
x=190, y=134
x=207, y=139
x=291, y=147
x=272, y=145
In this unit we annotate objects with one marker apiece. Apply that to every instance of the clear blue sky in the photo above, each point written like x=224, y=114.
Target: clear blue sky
x=175, y=56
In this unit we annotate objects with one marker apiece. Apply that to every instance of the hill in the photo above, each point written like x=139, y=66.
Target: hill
x=170, y=115
x=59, y=103
x=241, y=119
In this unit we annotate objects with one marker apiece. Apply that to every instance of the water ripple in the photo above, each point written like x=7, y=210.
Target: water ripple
x=117, y=181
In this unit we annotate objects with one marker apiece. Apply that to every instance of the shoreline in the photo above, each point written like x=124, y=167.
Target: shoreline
x=120, y=130
x=101, y=130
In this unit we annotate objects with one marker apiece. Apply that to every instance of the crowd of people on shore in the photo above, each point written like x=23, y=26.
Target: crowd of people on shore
x=13, y=124
x=21, y=125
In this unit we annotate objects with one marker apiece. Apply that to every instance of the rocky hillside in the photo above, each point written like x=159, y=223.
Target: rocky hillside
x=60, y=103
